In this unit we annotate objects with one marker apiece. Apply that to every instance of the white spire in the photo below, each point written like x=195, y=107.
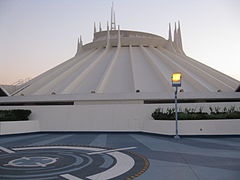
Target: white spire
x=170, y=33
x=178, y=29
x=180, y=38
x=113, y=22
x=171, y=44
x=179, y=34
x=108, y=36
x=119, y=36
x=95, y=30
x=107, y=26
x=100, y=27
x=175, y=32
x=81, y=43
x=78, y=44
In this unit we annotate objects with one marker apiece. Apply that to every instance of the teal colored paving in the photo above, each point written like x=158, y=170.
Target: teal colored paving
x=76, y=156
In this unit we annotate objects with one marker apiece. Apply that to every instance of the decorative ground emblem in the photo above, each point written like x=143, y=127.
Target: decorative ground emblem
x=70, y=162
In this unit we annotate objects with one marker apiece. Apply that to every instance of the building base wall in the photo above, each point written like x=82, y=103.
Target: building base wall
x=115, y=117
x=16, y=127
x=194, y=127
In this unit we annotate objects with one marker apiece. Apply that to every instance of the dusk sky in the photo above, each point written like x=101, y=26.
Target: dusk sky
x=36, y=35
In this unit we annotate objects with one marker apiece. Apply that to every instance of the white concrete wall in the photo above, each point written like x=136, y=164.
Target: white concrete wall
x=159, y=127
x=89, y=118
x=122, y=117
x=210, y=127
x=115, y=117
x=15, y=127
x=194, y=127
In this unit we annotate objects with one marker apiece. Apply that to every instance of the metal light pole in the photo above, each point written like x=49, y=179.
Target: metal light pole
x=176, y=114
x=176, y=82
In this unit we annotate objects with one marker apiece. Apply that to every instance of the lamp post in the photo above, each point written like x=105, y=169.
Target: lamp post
x=176, y=82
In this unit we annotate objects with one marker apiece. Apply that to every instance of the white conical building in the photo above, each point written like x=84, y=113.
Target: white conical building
x=119, y=61
x=116, y=81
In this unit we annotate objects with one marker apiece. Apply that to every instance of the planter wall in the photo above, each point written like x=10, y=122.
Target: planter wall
x=113, y=117
x=15, y=127
x=194, y=127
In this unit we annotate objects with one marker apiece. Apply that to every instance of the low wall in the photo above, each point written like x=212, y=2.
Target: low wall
x=114, y=117
x=210, y=127
x=15, y=127
x=159, y=127
x=193, y=127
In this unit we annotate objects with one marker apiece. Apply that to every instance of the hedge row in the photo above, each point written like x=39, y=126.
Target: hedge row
x=14, y=115
x=187, y=114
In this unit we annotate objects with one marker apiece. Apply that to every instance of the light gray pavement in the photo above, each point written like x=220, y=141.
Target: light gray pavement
x=188, y=158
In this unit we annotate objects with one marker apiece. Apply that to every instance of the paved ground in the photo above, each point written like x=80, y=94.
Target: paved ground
x=76, y=156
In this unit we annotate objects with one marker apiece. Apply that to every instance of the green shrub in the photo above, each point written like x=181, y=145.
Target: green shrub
x=193, y=114
x=14, y=115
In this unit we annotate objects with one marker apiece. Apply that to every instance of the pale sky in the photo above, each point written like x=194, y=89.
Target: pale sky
x=36, y=35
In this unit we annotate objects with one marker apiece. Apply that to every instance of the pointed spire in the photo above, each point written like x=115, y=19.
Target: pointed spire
x=107, y=26
x=95, y=30
x=113, y=22
x=179, y=30
x=175, y=38
x=119, y=36
x=170, y=33
x=179, y=33
x=180, y=38
x=171, y=46
x=108, y=33
x=108, y=36
x=81, y=43
x=111, y=16
x=100, y=27
x=78, y=44
x=175, y=32
x=178, y=24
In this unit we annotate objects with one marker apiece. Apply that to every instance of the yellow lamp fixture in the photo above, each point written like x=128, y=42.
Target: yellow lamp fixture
x=176, y=79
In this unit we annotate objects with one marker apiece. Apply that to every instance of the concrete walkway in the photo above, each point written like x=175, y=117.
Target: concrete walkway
x=188, y=158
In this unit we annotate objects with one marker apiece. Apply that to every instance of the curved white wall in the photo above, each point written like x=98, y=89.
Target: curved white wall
x=117, y=117
x=15, y=127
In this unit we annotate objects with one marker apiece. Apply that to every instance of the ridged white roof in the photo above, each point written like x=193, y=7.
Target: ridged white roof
x=119, y=61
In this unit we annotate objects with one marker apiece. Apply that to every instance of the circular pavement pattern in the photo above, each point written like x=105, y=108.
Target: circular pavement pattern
x=70, y=162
